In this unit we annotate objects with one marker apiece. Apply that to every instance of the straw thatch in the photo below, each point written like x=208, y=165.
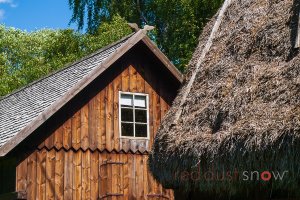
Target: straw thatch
x=243, y=110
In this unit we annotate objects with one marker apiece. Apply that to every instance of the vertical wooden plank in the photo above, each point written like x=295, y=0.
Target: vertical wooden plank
x=151, y=183
x=68, y=173
x=145, y=175
x=116, y=88
x=86, y=175
x=41, y=174
x=84, y=127
x=149, y=91
x=31, y=176
x=49, y=142
x=125, y=176
x=103, y=175
x=125, y=80
x=156, y=112
x=22, y=176
x=139, y=178
x=160, y=189
x=109, y=175
x=97, y=120
x=131, y=173
x=94, y=175
x=103, y=119
x=77, y=174
x=92, y=126
x=164, y=107
x=115, y=176
x=125, y=88
x=121, y=176
x=58, y=138
x=109, y=117
x=132, y=79
x=67, y=135
x=59, y=175
x=76, y=123
x=140, y=83
x=50, y=174
x=42, y=145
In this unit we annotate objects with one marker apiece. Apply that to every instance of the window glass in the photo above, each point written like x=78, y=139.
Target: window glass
x=126, y=100
x=127, y=114
x=141, y=116
x=140, y=130
x=140, y=101
x=127, y=129
x=134, y=114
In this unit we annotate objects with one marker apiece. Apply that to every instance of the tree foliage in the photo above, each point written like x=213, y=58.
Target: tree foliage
x=178, y=22
x=27, y=56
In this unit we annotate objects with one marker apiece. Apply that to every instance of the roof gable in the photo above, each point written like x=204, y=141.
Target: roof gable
x=25, y=110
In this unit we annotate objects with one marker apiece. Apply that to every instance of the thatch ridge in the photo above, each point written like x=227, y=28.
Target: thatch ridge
x=243, y=110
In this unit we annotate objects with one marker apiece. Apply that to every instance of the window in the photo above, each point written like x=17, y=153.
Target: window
x=133, y=115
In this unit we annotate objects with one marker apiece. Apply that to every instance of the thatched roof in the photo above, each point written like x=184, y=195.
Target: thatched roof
x=243, y=109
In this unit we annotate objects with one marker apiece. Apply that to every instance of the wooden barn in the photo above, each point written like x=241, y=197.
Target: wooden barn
x=85, y=131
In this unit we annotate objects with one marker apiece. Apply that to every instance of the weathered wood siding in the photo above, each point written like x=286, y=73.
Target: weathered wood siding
x=87, y=175
x=85, y=158
x=96, y=124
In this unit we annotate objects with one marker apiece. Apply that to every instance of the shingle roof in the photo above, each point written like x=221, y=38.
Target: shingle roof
x=19, y=108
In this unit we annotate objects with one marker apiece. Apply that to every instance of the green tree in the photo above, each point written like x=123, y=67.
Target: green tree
x=178, y=22
x=27, y=56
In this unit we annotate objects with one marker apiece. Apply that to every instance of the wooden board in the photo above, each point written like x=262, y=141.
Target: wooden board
x=21, y=176
x=67, y=134
x=94, y=178
x=109, y=117
x=76, y=124
x=59, y=175
x=132, y=79
x=93, y=123
x=103, y=100
x=50, y=174
x=58, y=138
x=84, y=127
x=77, y=175
x=41, y=174
x=68, y=175
x=86, y=175
x=116, y=88
x=31, y=176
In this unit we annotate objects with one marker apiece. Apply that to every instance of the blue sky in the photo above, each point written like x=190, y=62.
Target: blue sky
x=31, y=15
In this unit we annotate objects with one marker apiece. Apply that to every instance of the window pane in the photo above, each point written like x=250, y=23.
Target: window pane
x=140, y=101
x=140, y=130
x=141, y=116
x=126, y=99
x=127, y=129
x=127, y=114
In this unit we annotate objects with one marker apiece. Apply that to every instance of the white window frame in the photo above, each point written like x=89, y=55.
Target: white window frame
x=147, y=110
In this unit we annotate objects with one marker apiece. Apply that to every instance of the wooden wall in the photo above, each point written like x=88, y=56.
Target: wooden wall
x=85, y=158
x=87, y=175
x=96, y=124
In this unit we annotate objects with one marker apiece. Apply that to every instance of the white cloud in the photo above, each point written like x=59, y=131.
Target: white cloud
x=2, y=12
x=10, y=2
